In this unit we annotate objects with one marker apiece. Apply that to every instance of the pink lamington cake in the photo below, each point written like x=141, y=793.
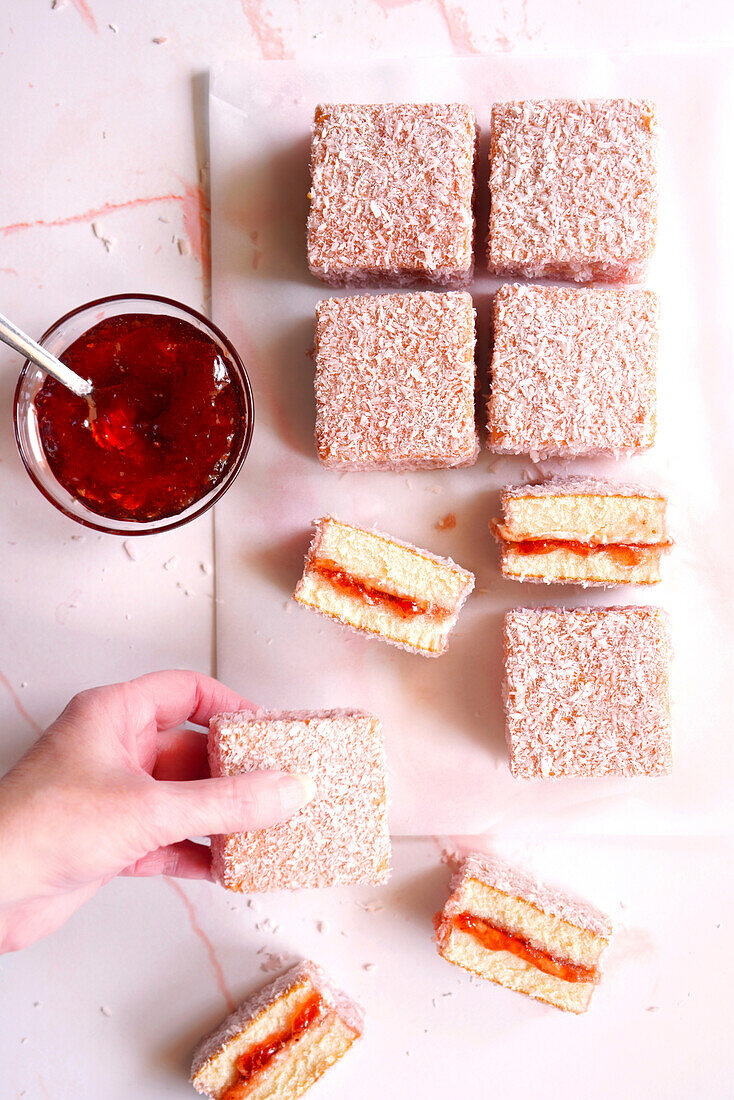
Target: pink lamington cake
x=503, y=925
x=573, y=371
x=391, y=194
x=395, y=379
x=573, y=189
x=587, y=691
x=280, y=1040
x=341, y=836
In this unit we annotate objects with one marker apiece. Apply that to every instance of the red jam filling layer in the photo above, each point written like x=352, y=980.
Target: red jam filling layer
x=259, y=1058
x=169, y=418
x=496, y=939
x=373, y=596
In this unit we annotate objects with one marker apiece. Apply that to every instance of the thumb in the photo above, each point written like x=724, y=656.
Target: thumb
x=230, y=804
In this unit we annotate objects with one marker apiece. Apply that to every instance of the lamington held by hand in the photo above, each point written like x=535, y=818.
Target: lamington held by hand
x=573, y=189
x=279, y=1041
x=341, y=837
x=580, y=530
x=391, y=194
x=587, y=691
x=501, y=924
x=376, y=584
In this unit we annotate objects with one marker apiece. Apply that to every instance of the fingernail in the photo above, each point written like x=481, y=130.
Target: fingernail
x=297, y=791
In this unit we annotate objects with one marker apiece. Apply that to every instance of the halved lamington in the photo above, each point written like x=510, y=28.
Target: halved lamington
x=279, y=1041
x=501, y=924
x=391, y=193
x=573, y=189
x=341, y=837
x=579, y=530
x=376, y=584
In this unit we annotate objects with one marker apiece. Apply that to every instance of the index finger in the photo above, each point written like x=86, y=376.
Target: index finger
x=180, y=695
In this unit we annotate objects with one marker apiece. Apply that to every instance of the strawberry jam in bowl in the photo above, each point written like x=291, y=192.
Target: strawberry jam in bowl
x=167, y=427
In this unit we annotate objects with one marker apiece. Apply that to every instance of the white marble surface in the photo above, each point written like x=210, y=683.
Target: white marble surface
x=105, y=126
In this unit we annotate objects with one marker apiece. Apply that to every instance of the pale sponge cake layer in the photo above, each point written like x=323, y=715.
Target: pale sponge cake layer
x=270, y=1013
x=513, y=973
x=341, y=836
x=564, y=565
x=567, y=929
x=584, y=510
x=349, y=568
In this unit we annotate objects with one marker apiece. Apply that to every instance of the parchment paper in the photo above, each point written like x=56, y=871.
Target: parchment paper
x=443, y=718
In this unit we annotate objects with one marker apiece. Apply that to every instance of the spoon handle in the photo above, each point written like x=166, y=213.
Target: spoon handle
x=11, y=335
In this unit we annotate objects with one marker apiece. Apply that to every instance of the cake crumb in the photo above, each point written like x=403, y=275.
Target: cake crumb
x=370, y=906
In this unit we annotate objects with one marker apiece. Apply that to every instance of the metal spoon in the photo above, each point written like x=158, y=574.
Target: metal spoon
x=11, y=335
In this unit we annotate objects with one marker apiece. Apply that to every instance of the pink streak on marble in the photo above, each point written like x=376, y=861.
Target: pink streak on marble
x=454, y=18
x=210, y=949
x=8, y=271
x=17, y=703
x=89, y=215
x=457, y=26
x=84, y=10
x=268, y=38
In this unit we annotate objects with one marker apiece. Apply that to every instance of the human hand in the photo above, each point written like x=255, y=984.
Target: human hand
x=113, y=787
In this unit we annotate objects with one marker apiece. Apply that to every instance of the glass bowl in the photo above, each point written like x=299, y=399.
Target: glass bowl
x=27, y=436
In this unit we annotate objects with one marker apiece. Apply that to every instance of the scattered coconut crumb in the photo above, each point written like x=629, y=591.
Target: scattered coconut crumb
x=183, y=246
x=24, y=684
x=108, y=242
x=105, y=1010
x=127, y=546
x=24, y=1039
x=172, y=563
x=57, y=5
x=373, y=906
x=652, y=1008
x=252, y=904
x=273, y=962
x=369, y=967
x=447, y=522
x=166, y=221
x=186, y=591
x=205, y=568
x=322, y=927
x=161, y=40
x=113, y=27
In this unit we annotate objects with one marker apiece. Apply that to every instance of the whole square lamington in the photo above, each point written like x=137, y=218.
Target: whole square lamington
x=573, y=191
x=573, y=370
x=341, y=836
x=391, y=193
x=395, y=380
x=587, y=692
